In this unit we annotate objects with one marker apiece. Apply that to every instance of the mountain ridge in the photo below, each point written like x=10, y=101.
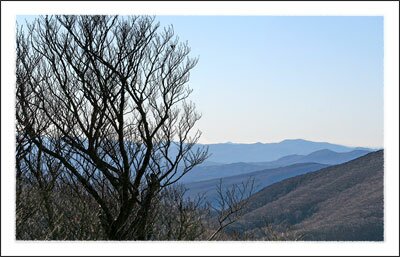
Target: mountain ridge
x=340, y=202
x=262, y=178
x=263, y=152
x=203, y=173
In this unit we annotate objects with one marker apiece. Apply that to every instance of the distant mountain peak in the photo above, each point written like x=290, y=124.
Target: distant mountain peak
x=231, y=152
x=294, y=140
x=323, y=151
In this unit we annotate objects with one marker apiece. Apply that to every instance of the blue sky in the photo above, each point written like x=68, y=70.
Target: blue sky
x=267, y=78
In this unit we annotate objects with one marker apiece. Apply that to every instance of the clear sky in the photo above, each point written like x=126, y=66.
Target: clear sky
x=266, y=78
x=270, y=78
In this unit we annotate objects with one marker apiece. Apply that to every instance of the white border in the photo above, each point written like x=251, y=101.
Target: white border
x=391, y=104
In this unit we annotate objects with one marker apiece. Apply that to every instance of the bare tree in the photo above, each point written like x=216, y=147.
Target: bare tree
x=107, y=99
x=231, y=203
x=178, y=217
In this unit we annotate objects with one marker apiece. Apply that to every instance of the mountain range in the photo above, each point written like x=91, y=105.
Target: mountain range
x=262, y=152
x=340, y=202
x=262, y=178
x=214, y=171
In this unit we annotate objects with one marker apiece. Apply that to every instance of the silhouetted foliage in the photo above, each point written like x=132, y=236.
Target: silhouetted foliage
x=102, y=106
x=105, y=131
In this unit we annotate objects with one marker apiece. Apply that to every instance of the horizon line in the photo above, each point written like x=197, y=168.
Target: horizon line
x=289, y=139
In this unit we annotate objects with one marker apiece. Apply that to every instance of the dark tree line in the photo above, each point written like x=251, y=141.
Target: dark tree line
x=104, y=131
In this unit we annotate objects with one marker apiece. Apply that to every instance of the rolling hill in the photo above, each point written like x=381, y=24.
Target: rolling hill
x=259, y=152
x=341, y=202
x=325, y=156
x=262, y=179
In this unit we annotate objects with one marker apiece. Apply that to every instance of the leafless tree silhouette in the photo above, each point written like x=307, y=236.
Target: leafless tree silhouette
x=231, y=203
x=105, y=100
